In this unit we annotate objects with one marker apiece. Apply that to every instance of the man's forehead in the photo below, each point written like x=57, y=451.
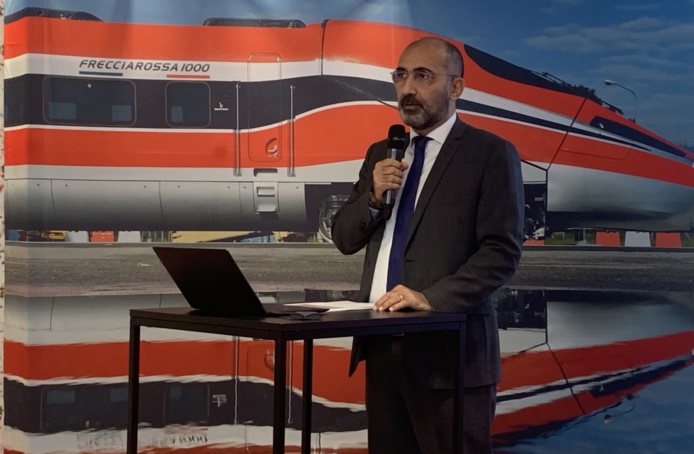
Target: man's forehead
x=422, y=55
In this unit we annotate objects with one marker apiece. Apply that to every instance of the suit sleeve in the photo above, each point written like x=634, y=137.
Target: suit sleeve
x=499, y=236
x=353, y=224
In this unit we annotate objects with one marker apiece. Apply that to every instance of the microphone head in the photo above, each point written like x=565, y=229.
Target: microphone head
x=398, y=138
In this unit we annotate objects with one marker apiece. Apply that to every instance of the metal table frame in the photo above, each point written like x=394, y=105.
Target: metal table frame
x=282, y=330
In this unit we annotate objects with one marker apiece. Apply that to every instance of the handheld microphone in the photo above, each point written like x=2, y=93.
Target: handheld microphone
x=398, y=140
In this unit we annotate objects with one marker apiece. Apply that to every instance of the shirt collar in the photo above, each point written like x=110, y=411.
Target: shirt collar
x=439, y=134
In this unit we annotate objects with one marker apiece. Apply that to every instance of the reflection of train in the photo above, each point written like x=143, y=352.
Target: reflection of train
x=262, y=125
x=564, y=360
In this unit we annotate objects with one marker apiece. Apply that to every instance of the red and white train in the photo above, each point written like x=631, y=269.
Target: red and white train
x=263, y=124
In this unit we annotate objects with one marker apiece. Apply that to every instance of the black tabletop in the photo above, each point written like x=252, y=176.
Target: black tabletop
x=325, y=325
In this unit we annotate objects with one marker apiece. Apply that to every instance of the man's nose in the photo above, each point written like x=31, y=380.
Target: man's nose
x=408, y=86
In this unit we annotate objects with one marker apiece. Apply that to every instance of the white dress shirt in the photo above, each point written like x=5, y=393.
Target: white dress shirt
x=433, y=147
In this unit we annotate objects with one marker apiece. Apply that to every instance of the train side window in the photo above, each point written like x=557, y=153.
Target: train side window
x=62, y=111
x=186, y=403
x=60, y=397
x=18, y=403
x=118, y=395
x=14, y=101
x=103, y=102
x=188, y=104
x=83, y=407
x=58, y=410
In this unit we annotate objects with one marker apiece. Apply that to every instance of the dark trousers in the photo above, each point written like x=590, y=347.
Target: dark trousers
x=405, y=417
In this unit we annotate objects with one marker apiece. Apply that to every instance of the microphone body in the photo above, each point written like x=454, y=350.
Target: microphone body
x=397, y=154
x=398, y=140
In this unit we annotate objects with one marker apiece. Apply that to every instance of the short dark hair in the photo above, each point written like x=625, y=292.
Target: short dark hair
x=454, y=59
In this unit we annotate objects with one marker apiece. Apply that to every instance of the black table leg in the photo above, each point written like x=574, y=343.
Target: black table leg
x=458, y=401
x=307, y=397
x=280, y=389
x=133, y=387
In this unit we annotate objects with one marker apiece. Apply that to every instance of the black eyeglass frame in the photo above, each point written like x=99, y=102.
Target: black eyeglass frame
x=421, y=75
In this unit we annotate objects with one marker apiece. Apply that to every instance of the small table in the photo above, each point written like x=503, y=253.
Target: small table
x=283, y=330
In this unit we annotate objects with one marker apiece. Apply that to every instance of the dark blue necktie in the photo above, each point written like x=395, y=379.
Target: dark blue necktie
x=405, y=210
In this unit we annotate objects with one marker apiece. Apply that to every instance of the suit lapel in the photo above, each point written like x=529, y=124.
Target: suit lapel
x=448, y=149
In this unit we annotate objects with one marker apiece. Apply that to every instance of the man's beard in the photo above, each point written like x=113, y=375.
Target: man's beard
x=426, y=116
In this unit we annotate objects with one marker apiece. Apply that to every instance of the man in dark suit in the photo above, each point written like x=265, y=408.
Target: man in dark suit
x=462, y=243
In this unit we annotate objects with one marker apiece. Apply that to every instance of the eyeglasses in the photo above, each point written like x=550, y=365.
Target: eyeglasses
x=422, y=76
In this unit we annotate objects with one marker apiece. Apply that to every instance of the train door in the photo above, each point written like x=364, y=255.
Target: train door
x=265, y=140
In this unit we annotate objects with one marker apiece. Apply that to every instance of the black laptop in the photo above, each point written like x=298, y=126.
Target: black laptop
x=212, y=282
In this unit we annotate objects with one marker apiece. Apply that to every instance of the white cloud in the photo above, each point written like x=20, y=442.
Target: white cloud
x=661, y=85
x=642, y=60
x=557, y=6
x=388, y=11
x=640, y=34
x=646, y=70
x=643, y=24
x=640, y=74
x=644, y=7
x=567, y=38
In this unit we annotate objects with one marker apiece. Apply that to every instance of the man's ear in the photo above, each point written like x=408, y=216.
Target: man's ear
x=457, y=87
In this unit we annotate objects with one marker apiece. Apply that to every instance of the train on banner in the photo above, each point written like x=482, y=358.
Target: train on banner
x=568, y=359
x=261, y=125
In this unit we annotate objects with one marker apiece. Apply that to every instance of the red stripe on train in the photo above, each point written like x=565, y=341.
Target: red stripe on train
x=185, y=358
x=539, y=368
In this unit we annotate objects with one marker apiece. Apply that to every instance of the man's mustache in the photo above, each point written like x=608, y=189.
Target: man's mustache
x=410, y=100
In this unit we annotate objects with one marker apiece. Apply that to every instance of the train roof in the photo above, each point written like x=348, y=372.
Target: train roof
x=502, y=68
x=51, y=13
x=267, y=23
x=211, y=21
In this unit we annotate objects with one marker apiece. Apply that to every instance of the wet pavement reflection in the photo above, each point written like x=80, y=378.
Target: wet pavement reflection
x=583, y=371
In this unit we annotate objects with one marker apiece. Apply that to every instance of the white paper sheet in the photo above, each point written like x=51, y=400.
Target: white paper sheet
x=337, y=306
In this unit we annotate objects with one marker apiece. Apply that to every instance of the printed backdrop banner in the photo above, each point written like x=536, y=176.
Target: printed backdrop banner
x=128, y=118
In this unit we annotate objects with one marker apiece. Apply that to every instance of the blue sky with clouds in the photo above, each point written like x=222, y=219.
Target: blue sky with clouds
x=644, y=45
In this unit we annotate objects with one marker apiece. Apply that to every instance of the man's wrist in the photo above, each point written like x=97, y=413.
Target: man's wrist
x=373, y=202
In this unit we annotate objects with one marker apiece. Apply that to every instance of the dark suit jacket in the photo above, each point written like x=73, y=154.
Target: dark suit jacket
x=464, y=242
